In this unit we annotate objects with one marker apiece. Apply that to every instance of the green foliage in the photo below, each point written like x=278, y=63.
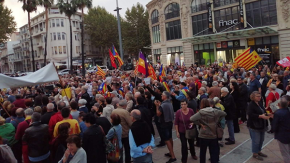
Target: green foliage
x=45, y=3
x=84, y=3
x=7, y=23
x=29, y=5
x=69, y=8
x=102, y=27
x=135, y=30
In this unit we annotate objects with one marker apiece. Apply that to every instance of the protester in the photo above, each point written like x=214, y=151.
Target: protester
x=45, y=118
x=257, y=124
x=74, y=153
x=7, y=132
x=208, y=118
x=56, y=118
x=107, y=111
x=37, y=139
x=93, y=140
x=243, y=100
x=280, y=127
x=182, y=123
x=126, y=123
x=73, y=107
x=82, y=106
x=6, y=154
x=140, y=138
x=165, y=111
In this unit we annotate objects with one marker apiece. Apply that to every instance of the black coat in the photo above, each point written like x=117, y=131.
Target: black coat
x=230, y=106
x=146, y=116
x=253, y=113
x=37, y=138
x=264, y=86
x=87, y=97
x=46, y=117
x=94, y=145
x=243, y=98
x=104, y=122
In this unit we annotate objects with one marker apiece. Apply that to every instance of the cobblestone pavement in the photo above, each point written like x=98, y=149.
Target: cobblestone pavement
x=237, y=153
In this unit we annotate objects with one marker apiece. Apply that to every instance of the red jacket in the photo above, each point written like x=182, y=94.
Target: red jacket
x=53, y=120
x=19, y=103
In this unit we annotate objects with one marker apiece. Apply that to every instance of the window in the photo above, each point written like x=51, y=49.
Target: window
x=77, y=24
x=74, y=23
x=60, y=49
x=53, y=24
x=156, y=51
x=154, y=16
x=173, y=30
x=200, y=24
x=198, y=5
x=261, y=13
x=61, y=23
x=50, y=23
x=55, y=50
x=75, y=36
x=172, y=11
x=50, y=36
x=35, y=53
x=63, y=37
x=57, y=22
x=218, y=3
x=58, y=36
x=77, y=49
x=64, y=49
x=226, y=18
x=54, y=36
x=156, y=34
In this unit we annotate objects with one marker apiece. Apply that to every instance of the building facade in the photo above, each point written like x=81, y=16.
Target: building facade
x=205, y=31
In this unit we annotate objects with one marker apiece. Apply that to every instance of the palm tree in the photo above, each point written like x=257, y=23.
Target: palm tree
x=46, y=4
x=69, y=8
x=81, y=5
x=30, y=6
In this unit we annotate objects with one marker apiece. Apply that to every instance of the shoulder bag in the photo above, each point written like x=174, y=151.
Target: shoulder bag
x=108, y=144
x=189, y=133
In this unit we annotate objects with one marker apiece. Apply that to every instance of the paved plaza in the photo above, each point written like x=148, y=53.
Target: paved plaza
x=237, y=153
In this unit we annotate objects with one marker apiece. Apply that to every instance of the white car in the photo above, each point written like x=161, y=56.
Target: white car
x=64, y=72
x=93, y=69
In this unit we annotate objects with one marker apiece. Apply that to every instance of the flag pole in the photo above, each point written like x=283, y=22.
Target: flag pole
x=61, y=82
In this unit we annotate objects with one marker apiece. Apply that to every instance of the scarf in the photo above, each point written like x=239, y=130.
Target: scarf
x=141, y=132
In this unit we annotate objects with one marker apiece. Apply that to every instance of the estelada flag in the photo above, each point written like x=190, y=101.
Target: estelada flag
x=162, y=71
x=117, y=56
x=100, y=71
x=248, y=59
x=285, y=62
x=102, y=88
x=112, y=59
x=142, y=64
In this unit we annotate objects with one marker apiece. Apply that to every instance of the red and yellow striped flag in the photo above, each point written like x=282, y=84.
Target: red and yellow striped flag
x=152, y=73
x=136, y=69
x=100, y=71
x=166, y=86
x=255, y=59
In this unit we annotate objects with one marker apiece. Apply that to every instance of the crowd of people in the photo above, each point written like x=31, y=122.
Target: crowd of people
x=115, y=118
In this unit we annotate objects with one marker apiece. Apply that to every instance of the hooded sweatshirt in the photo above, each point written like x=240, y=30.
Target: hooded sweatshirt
x=209, y=117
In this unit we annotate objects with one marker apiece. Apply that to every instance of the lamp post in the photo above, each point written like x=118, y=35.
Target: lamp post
x=119, y=29
x=68, y=66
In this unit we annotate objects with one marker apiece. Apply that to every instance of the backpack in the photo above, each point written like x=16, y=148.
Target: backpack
x=114, y=155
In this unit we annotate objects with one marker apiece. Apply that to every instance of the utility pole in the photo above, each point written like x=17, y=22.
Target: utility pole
x=119, y=29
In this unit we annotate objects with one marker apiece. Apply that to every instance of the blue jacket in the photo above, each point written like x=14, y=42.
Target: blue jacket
x=181, y=95
x=137, y=151
x=118, y=130
x=280, y=125
x=285, y=81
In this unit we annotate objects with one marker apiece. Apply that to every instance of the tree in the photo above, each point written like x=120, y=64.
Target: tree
x=30, y=6
x=102, y=27
x=69, y=8
x=81, y=5
x=46, y=4
x=7, y=23
x=136, y=32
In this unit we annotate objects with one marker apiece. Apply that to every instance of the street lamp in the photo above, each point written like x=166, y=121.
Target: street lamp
x=68, y=67
x=119, y=29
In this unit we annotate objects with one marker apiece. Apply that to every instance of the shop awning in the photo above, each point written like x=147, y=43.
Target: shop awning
x=231, y=35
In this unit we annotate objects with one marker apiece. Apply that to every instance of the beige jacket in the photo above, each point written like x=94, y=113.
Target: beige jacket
x=126, y=121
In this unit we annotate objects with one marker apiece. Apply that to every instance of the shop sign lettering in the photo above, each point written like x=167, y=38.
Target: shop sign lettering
x=228, y=22
x=263, y=49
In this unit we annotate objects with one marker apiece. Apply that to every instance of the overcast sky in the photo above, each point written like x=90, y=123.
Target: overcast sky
x=110, y=5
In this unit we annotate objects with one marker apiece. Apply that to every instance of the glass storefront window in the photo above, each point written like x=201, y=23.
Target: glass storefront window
x=199, y=24
x=198, y=5
x=266, y=40
x=259, y=41
x=226, y=18
x=218, y=3
x=274, y=39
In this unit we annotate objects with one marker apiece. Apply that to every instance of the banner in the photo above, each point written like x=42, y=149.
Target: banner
x=284, y=62
x=209, y=15
x=44, y=75
x=242, y=14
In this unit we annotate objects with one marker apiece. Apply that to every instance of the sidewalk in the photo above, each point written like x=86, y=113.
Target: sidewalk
x=237, y=153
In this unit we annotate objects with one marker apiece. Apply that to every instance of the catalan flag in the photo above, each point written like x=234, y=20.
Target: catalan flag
x=102, y=88
x=166, y=86
x=117, y=56
x=100, y=71
x=136, y=69
x=248, y=59
x=152, y=73
x=112, y=59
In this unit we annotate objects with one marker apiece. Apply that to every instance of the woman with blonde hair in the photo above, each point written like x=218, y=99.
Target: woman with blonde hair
x=3, y=111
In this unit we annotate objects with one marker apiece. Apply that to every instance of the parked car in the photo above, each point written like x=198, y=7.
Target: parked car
x=64, y=72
